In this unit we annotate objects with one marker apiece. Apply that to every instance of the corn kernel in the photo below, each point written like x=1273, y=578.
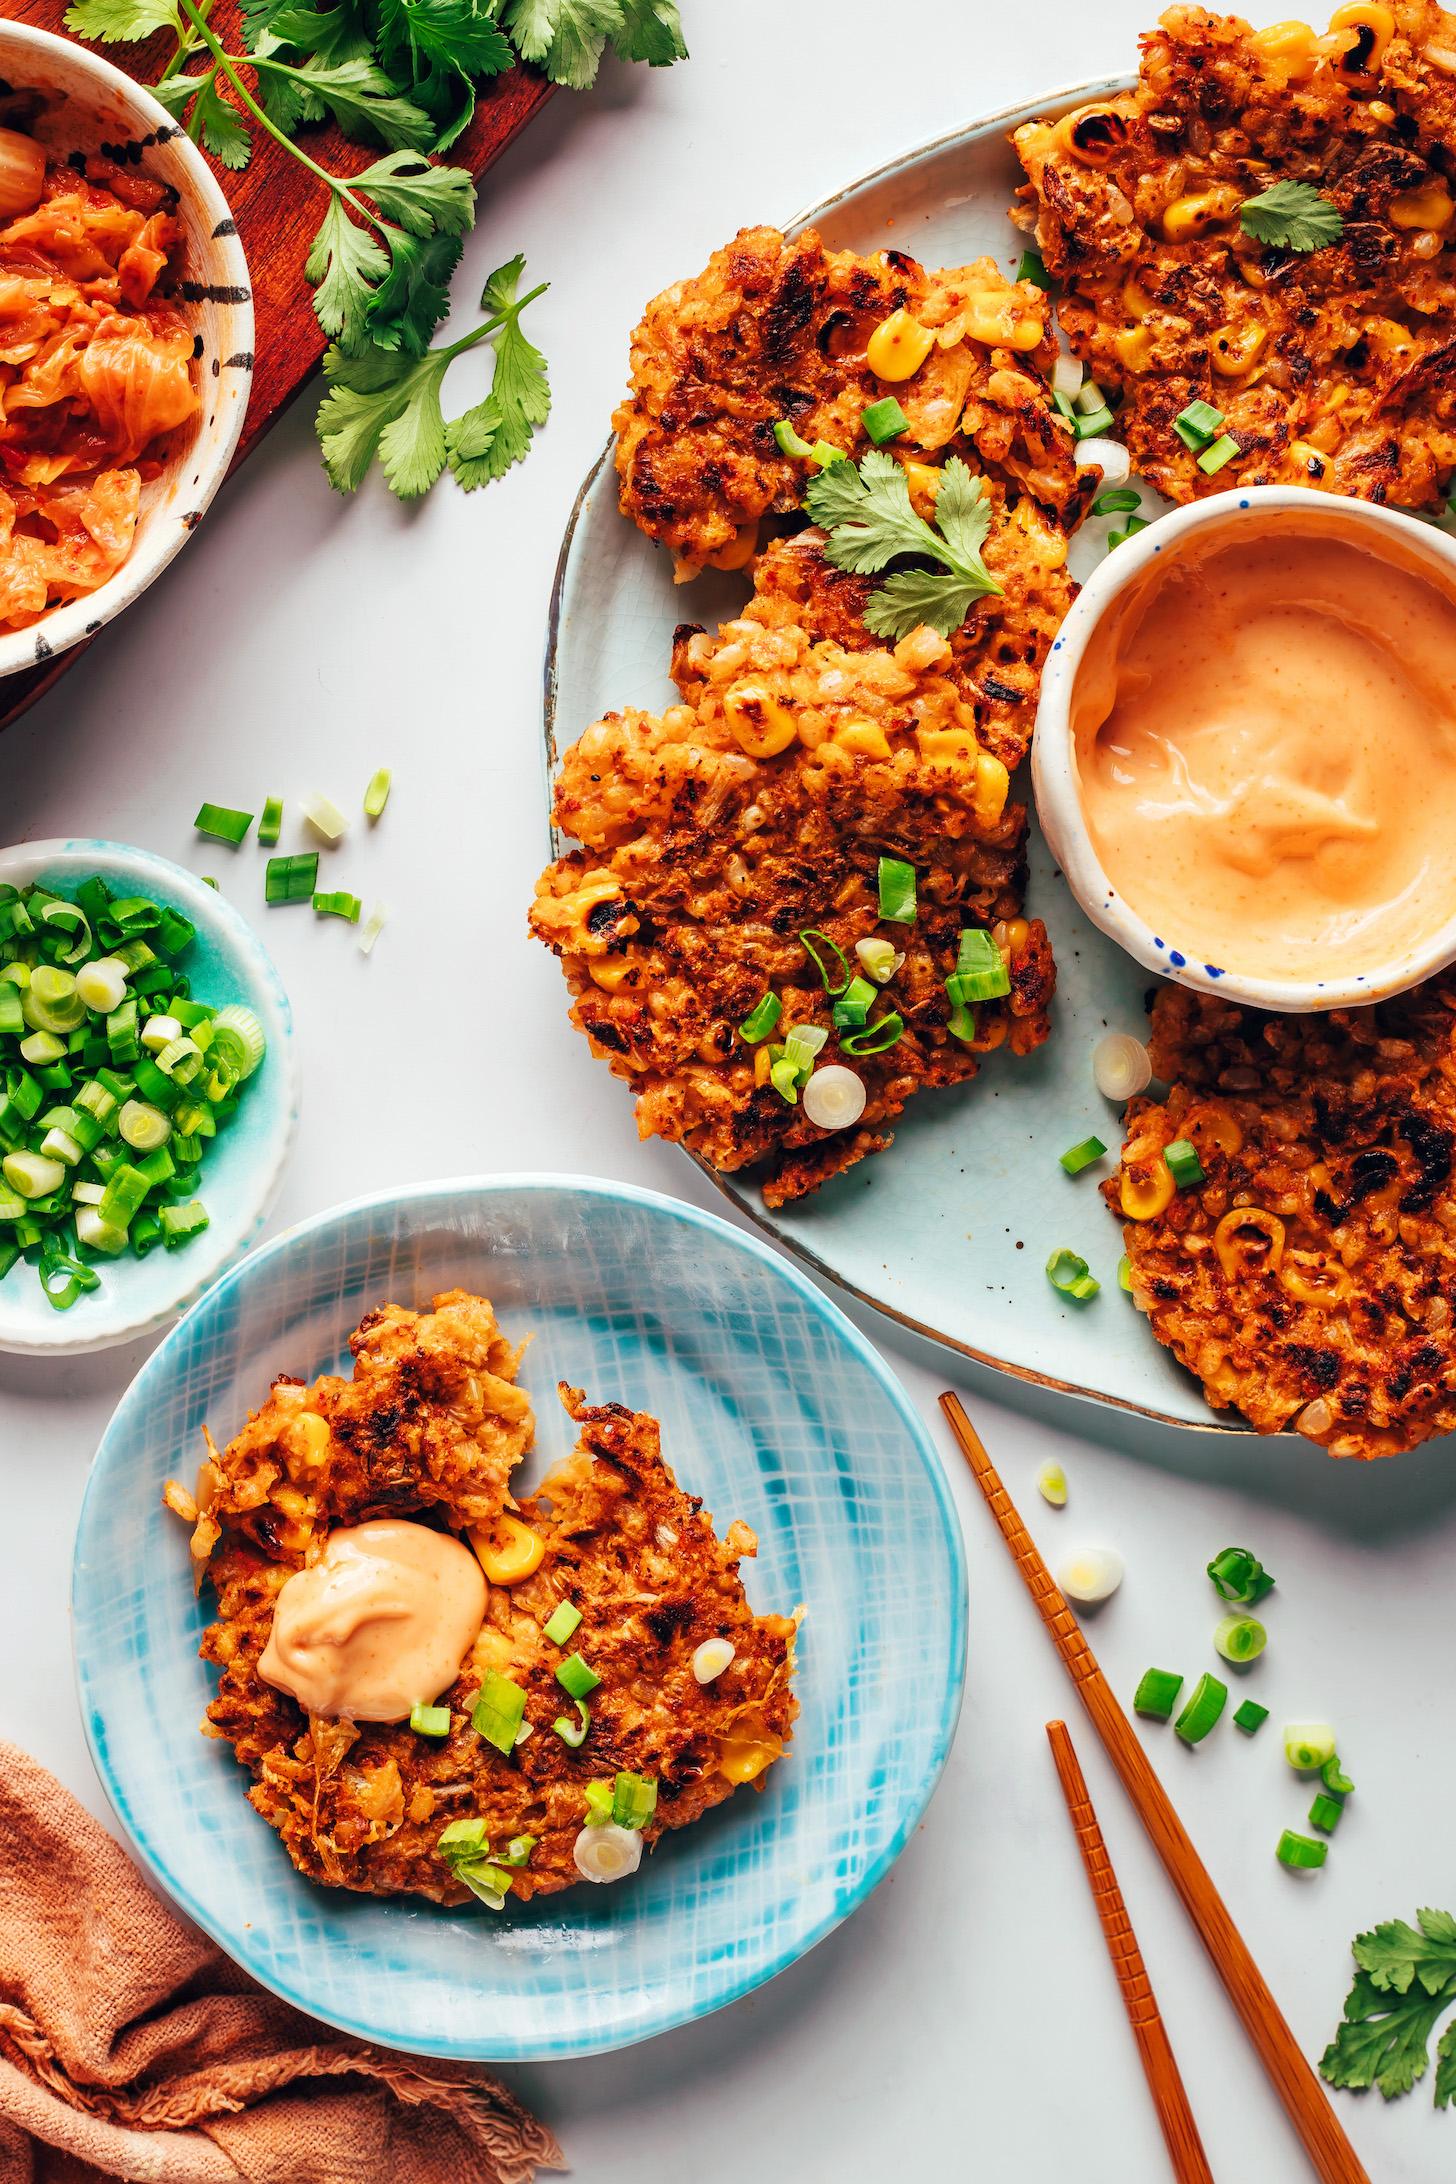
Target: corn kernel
x=898, y=346
x=1135, y=299
x=946, y=746
x=1194, y=215
x=1002, y=321
x=1431, y=206
x=1310, y=465
x=1290, y=47
x=741, y=1758
x=1010, y=935
x=609, y=972
x=739, y=551
x=993, y=784
x=1236, y=351
x=305, y=1441
x=1092, y=134
x=863, y=738
x=1237, y=1241
x=1312, y=1280
x=1214, y=1124
x=509, y=1551
x=924, y=481
x=1134, y=346
x=762, y=724
x=762, y=1065
x=1147, y=1189
x=1371, y=26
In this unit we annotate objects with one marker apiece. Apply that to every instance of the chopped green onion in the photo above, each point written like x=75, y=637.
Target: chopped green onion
x=77, y=1279
x=41, y=1046
x=324, y=816
x=761, y=1018
x=1301, y=1852
x=1239, y=1576
x=1197, y=424
x=1240, y=1638
x=574, y=1732
x=430, y=1721
x=372, y=927
x=291, y=879
x=338, y=904
x=143, y=1127
x=1051, y=1484
x=1325, y=1813
x=1124, y=1273
x=1134, y=525
x=884, y=420
x=600, y=1797
x=1089, y=398
x=1121, y=501
x=1308, y=1744
x=1335, y=1779
x=783, y=1075
x=498, y=1709
x=1033, y=268
x=806, y=942
x=1082, y=1154
x=564, y=1621
x=1157, y=1694
x=33, y=1175
x=1204, y=1706
x=376, y=796
x=980, y=973
x=270, y=826
x=222, y=823
x=634, y=1800
x=802, y=1046
x=790, y=442
x=576, y=1677
x=897, y=891
x=180, y=1222
x=1070, y=1274
x=855, y=1003
x=876, y=1038
x=1250, y=1716
x=1184, y=1165
x=880, y=958
x=824, y=454
x=1092, y=424
x=102, y=984
x=1222, y=451
x=69, y=918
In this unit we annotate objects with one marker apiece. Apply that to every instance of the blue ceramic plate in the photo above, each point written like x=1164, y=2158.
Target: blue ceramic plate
x=244, y=1166
x=773, y=1407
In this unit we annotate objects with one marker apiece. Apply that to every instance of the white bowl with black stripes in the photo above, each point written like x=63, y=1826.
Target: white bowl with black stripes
x=92, y=109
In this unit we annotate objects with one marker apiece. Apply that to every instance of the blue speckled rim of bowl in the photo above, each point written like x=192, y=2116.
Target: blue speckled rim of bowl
x=208, y=908
x=774, y=1265
x=1053, y=759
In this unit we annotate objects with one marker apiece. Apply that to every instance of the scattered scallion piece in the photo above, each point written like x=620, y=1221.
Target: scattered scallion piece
x=562, y=1623
x=880, y=958
x=1033, y=268
x=1335, y=1779
x=338, y=904
x=1089, y=424
x=1157, y=1694
x=376, y=796
x=576, y=1677
x=1300, y=1852
x=574, y=1732
x=876, y=1038
x=1082, y=1155
x=790, y=442
x=884, y=420
x=222, y=823
x=1250, y=1716
x=811, y=941
x=1069, y=1273
x=1239, y=1576
x=270, y=826
x=1205, y=1704
x=853, y=1006
x=1240, y=1638
x=291, y=879
x=1124, y=1273
x=1197, y=425
x=980, y=973
x=1223, y=450
x=1184, y=1165
x=634, y=1800
x=372, y=927
x=761, y=1018
x=1325, y=1813
x=1051, y=1484
x=1130, y=529
x=430, y=1721
x=1308, y=1744
x=600, y=1797
x=1120, y=501
x=897, y=891
x=324, y=816
x=1090, y=1575
x=499, y=1707
x=465, y=1851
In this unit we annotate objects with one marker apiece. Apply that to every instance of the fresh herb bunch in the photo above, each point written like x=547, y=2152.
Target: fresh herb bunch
x=399, y=74
x=1405, y=1983
x=867, y=513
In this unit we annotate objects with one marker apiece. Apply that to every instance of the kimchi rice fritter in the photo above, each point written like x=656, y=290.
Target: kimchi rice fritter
x=364, y=1805
x=1309, y=1280
x=713, y=836
x=1333, y=367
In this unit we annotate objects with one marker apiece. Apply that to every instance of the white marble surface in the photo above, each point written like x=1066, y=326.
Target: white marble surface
x=965, y=2024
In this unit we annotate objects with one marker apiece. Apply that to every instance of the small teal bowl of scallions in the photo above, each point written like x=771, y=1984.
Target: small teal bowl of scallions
x=148, y=1093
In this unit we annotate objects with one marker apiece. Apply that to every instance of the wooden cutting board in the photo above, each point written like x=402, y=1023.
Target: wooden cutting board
x=277, y=210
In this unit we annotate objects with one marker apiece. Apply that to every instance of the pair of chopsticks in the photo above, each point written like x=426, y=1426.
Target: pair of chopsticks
x=1319, y=2131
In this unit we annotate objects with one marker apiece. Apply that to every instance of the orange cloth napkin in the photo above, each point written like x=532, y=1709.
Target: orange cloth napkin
x=131, y=2047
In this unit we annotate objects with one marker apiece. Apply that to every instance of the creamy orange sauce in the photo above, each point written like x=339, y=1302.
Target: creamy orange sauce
x=1264, y=732
x=383, y=1619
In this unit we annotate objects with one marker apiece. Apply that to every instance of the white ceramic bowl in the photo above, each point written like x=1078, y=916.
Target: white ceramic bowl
x=240, y=1177
x=91, y=107
x=1054, y=768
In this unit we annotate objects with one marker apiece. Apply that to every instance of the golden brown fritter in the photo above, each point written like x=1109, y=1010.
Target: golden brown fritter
x=1334, y=367
x=432, y=1415
x=776, y=329
x=363, y=1806
x=701, y=865
x=1310, y=1280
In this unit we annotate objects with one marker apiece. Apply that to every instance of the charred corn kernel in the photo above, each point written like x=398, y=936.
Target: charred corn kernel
x=1135, y=299
x=741, y=1758
x=1312, y=1280
x=946, y=746
x=306, y=1441
x=924, y=481
x=1011, y=935
x=1236, y=350
x=1247, y=1239
x=1147, y=1189
x=1211, y=1124
x=762, y=724
x=1002, y=321
x=1195, y=214
x=1372, y=26
x=509, y=1551
x=295, y=1536
x=1290, y=47
x=1093, y=134
x=990, y=1031
x=1134, y=346
x=762, y=1064
x=992, y=785
x=739, y=551
x=608, y=972
x=568, y=916
x=1431, y=206
x=863, y=738
x=291, y=1501
x=898, y=346
x=1310, y=466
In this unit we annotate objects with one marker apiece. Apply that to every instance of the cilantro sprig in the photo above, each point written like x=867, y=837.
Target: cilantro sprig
x=1292, y=216
x=867, y=513
x=1404, y=1984
x=400, y=75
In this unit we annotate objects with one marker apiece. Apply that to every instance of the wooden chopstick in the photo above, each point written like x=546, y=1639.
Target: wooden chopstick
x=1185, y=2147
x=1318, y=2128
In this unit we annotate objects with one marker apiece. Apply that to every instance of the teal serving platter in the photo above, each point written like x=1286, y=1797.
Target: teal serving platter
x=774, y=1408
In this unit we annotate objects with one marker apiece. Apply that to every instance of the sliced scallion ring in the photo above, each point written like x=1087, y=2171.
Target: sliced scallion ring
x=1121, y=1066
x=574, y=1732
x=1205, y=1704
x=1069, y=1273
x=834, y=1097
x=1157, y=1694
x=1082, y=1155
x=1308, y=1744
x=761, y=1018
x=1184, y=1165
x=897, y=891
x=1300, y=1852
x=376, y=796
x=811, y=941
x=876, y=1038
x=1240, y=1638
x=223, y=823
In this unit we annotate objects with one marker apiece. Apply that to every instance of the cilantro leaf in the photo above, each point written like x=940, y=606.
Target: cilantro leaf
x=414, y=295
x=452, y=34
x=870, y=522
x=361, y=98
x=1404, y=1984
x=651, y=31
x=963, y=512
x=868, y=515
x=176, y=93
x=338, y=33
x=914, y=596
x=565, y=38
x=387, y=406
x=1445, y=2091
x=1394, y=1954
x=344, y=263
x=220, y=126
x=418, y=195
x=1292, y=216
x=412, y=444
x=123, y=22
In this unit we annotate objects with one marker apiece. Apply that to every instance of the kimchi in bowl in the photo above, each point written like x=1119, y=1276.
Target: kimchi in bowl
x=126, y=342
